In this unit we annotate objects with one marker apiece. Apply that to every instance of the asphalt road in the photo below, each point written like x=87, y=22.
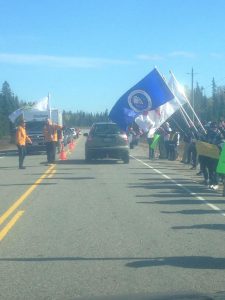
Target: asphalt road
x=108, y=230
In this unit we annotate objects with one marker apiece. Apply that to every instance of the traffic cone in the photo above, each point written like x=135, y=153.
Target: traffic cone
x=62, y=154
x=71, y=145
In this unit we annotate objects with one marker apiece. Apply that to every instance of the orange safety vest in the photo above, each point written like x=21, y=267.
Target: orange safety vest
x=50, y=133
x=21, y=136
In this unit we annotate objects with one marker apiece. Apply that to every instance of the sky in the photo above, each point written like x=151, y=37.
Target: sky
x=87, y=53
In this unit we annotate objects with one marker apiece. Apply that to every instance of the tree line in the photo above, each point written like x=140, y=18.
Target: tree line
x=83, y=119
x=207, y=108
x=9, y=103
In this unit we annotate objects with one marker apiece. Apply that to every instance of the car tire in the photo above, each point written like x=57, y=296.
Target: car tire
x=88, y=157
x=126, y=158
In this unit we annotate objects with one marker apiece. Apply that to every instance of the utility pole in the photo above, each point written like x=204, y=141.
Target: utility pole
x=192, y=92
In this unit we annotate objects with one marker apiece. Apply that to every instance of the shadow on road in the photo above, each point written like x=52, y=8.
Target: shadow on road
x=8, y=152
x=71, y=162
x=84, y=162
x=190, y=262
x=182, y=202
x=27, y=184
x=72, y=178
x=194, y=212
x=220, y=227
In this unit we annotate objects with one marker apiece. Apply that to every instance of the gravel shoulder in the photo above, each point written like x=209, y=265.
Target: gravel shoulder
x=5, y=144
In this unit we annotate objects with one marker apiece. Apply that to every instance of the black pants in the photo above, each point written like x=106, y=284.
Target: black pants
x=51, y=152
x=203, y=160
x=22, y=154
x=213, y=176
x=209, y=170
x=151, y=152
x=192, y=154
x=167, y=146
x=172, y=151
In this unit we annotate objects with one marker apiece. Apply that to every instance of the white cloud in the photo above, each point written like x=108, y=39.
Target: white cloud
x=157, y=57
x=217, y=55
x=59, y=61
x=184, y=54
x=149, y=57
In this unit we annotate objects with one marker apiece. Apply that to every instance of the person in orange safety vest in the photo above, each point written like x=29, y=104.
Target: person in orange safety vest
x=21, y=139
x=50, y=135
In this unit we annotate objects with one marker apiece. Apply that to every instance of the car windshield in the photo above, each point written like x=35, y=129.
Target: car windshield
x=106, y=129
x=35, y=126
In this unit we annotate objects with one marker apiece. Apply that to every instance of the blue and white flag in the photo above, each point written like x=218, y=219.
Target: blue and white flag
x=161, y=114
x=149, y=93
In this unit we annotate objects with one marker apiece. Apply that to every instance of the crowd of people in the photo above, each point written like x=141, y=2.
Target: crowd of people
x=171, y=139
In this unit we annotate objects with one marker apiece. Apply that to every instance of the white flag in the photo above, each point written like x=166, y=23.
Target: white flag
x=13, y=116
x=163, y=112
x=42, y=104
x=144, y=122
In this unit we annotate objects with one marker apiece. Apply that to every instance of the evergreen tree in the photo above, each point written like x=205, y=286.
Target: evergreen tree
x=215, y=101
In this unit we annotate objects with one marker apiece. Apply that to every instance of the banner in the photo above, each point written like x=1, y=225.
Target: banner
x=149, y=93
x=155, y=141
x=207, y=149
x=221, y=164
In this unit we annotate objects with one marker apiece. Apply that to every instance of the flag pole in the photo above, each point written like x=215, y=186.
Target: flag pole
x=49, y=107
x=189, y=104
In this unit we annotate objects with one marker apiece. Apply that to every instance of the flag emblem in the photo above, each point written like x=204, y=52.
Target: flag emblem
x=139, y=101
x=149, y=93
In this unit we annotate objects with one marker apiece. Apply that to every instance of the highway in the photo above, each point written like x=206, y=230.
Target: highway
x=108, y=230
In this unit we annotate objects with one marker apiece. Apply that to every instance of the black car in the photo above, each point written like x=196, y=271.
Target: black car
x=106, y=140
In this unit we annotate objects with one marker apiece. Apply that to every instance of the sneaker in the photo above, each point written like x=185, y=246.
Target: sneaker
x=214, y=187
x=199, y=173
x=193, y=168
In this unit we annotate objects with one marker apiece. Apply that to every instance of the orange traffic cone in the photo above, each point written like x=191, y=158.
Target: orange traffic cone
x=71, y=145
x=62, y=154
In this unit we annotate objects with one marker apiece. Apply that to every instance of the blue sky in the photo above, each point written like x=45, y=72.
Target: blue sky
x=87, y=53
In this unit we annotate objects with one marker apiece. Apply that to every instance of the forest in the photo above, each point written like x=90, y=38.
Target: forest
x=207, y=108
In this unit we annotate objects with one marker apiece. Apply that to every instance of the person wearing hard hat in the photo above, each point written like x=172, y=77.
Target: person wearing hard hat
x=50, y=135
x=21, y=139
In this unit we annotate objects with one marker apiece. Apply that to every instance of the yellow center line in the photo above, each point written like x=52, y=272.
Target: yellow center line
x=24, y=196
x=51, y=174
x=11, y=223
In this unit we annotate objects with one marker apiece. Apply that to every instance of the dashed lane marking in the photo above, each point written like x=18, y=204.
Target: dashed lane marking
x=212, y=206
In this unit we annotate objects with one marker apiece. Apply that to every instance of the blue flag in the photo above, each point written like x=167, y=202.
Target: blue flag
x=148, y=94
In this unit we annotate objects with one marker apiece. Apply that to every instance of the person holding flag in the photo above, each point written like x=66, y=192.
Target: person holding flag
x=50, y=135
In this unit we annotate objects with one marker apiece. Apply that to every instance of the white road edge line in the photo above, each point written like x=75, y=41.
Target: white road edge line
x=214, y=207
